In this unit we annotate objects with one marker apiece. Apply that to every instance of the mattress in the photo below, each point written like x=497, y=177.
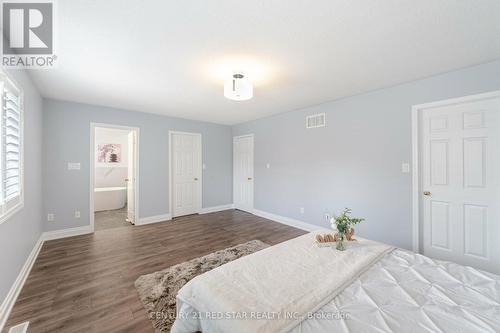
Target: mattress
x=402, y=292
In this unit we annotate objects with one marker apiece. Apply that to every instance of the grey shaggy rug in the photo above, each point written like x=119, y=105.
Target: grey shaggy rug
x=158, y=290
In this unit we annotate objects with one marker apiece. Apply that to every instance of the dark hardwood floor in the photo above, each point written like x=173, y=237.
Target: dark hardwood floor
x=86, y=283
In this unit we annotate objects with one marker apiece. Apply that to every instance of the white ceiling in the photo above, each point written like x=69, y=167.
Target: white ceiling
x=166, y=57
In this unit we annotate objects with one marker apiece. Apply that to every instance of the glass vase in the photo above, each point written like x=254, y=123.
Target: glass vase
x=341, y=245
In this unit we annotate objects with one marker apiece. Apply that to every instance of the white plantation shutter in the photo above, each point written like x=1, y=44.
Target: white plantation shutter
x=11, y=168
x=12, y=145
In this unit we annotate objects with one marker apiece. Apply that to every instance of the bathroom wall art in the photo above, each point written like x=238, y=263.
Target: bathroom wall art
x=109, y=153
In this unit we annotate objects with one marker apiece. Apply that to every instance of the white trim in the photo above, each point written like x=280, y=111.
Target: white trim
x=415, y=178
x=170, y=198
x=243, y=136
x=11, y=212
x=415, y=138
x=92, y=167
x=69, y=232
x=154, y=219
x=249, y=135
x=216, y=209
x=286, y=220
x=18, y=284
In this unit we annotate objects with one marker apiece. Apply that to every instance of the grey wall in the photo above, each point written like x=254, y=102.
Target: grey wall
x=67, y=139
x=19, y=234
x=356, y=160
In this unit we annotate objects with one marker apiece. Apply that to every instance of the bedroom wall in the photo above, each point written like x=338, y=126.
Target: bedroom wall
x=67, y=139
x=355, y=161
x=19, y=234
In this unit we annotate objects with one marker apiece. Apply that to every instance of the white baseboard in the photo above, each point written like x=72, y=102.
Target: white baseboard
x=168, y=217
x=216, y=209
x=154, y=219
x=286, y=220
x=14, y=291
x=63, y=233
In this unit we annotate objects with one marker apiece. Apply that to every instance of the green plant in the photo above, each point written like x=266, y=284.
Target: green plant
x=344, y=221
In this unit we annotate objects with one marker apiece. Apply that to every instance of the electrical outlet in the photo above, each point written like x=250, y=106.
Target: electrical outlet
x=302, y=210
x=77, y=214
x=51, y=217
x=268, y=165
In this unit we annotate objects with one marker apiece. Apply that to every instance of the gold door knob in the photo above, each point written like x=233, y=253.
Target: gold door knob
x=249, y=178
x=195, y=178
x=427, y=193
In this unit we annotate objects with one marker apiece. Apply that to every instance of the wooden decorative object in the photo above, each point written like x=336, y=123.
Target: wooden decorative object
x=350, y=234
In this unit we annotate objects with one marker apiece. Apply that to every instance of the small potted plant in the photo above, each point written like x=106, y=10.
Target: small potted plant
x=343, y=223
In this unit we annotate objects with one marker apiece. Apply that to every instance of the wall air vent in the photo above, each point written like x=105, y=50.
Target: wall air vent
x=316, y=120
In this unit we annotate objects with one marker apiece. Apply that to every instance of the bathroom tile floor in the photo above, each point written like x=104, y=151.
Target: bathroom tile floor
x=109, y=219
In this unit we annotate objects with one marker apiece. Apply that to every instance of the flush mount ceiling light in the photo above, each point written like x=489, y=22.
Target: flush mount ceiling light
x=238, y=88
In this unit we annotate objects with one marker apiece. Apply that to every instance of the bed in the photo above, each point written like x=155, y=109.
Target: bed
x=297, y=287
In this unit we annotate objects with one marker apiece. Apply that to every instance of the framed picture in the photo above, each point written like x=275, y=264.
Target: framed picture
x=109, y=153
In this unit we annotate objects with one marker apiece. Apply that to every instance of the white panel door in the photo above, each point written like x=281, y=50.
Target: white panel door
x=131, y=179
x=243, y=173
x=460, y=181
x=186, y=173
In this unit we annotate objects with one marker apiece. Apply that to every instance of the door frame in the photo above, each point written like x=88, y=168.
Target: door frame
x=250, y=135
x=170, y=177
x=416, y=137
x=93, y=126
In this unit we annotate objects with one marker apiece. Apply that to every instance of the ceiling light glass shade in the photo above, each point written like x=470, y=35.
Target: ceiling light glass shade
x=238, y=88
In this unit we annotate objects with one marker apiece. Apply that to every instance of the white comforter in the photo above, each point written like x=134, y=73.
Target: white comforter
x=402, y=292
x=408, y=292
x=273, y=290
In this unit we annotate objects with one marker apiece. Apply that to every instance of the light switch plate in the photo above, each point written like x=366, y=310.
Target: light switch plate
x=405, y=167
x=73, y=166
x=268, y=166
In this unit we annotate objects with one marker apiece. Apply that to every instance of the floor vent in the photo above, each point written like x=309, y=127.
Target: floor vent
x=21, y=328
x=316, y=120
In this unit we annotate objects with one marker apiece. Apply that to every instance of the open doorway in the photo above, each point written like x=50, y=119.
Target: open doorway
x=113, y=178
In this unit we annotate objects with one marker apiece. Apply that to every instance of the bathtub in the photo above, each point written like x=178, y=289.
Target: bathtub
x=109, y=198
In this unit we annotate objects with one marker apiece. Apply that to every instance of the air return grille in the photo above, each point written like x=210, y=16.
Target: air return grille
x=316, y=120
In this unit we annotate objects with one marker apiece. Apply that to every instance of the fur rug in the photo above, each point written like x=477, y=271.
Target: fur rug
x=158, y=290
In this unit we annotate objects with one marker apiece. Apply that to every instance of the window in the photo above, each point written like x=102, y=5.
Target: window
x=11, y=148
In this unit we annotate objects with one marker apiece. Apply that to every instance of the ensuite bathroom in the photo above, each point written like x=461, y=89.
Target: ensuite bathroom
x=111, y=178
